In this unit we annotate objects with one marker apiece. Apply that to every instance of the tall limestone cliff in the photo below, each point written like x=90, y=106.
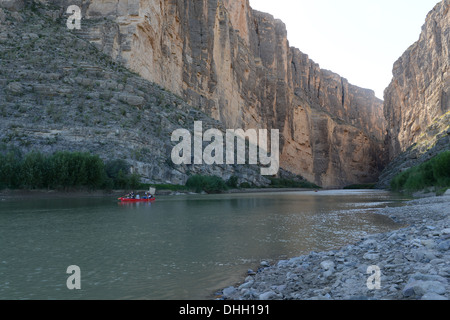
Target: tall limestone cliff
x=58, y=92
x=237, y=66
x=417, y=101
x=419, y=93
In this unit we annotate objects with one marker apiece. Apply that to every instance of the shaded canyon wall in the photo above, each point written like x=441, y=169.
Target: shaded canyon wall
x=419, y=94
x=417, y=101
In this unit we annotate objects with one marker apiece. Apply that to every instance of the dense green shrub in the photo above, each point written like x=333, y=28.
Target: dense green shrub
x=441, y=169
x=64, y=170
x=288, y=183
x=116, y=170
x=245, y=185
x=114, y=167
x=433, y=173
x=209, y=184
x=133, y=181
x=363, y=186
x=399, y=181
x=10, y=170
x=75, y=169
x=233, y=182
x=35, y=171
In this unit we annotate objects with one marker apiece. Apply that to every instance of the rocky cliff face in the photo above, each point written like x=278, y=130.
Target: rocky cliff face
x=237, y=66
x=58, y=92
x=417, y=102
x=419, y=93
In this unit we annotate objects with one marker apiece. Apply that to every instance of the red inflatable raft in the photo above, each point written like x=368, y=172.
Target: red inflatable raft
x=136, y=200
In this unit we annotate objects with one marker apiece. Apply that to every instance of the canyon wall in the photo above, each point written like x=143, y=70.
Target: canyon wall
x=237, y=66
x=417, y=101
x=59, y=93
x=419, y=94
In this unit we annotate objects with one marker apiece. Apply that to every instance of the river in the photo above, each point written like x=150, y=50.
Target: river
x=178, y=248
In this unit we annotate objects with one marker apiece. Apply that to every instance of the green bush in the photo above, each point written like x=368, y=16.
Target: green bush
x=209, y=184
x=363, y=186
x=33, y=171
x=74, y=170
x=63, y=170
x=117, y=172
x=245, y=185
x=441, y=169
x=134, y=181
x=433, y=173
x=287, y=183
x=233, y=182
x=399, y=181
x=10, y=169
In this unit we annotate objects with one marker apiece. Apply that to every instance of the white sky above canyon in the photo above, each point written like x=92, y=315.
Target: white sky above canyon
x=358, y=39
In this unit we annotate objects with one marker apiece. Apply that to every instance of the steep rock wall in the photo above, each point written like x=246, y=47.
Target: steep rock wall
x=237, y=66
x=417, y=102
x=58, y=93
x=419, y=93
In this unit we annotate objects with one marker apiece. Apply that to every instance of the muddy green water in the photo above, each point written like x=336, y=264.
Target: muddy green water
x=180, y=247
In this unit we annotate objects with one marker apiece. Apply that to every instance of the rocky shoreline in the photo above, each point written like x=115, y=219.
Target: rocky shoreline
x=413, y=263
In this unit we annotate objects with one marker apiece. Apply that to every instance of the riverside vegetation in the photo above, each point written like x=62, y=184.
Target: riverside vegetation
x=215, y=184
x=65, y=170
x=432, y=174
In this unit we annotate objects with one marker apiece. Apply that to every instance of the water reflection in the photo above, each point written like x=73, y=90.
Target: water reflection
x=135, y=204
x=182, y=247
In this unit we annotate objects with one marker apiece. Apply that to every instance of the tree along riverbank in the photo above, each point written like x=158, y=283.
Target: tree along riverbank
x=82, y=171
x=66, y=171
x=410, y=263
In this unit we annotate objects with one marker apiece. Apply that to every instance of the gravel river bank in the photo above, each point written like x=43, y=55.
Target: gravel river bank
x=411, y=263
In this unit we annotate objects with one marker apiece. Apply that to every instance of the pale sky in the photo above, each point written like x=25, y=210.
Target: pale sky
x=358, y=39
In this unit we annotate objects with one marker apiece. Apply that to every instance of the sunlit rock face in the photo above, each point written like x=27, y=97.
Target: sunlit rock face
x=417, y=102
x=236, y=64
x=419, y=93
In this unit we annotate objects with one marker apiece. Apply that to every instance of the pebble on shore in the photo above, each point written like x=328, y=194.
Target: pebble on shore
x=413, y=263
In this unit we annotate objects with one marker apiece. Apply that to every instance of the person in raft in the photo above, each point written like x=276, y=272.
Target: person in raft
x=148, y=195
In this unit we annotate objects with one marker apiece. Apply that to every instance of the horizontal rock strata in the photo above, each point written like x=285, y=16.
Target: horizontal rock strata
x=237, y=66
